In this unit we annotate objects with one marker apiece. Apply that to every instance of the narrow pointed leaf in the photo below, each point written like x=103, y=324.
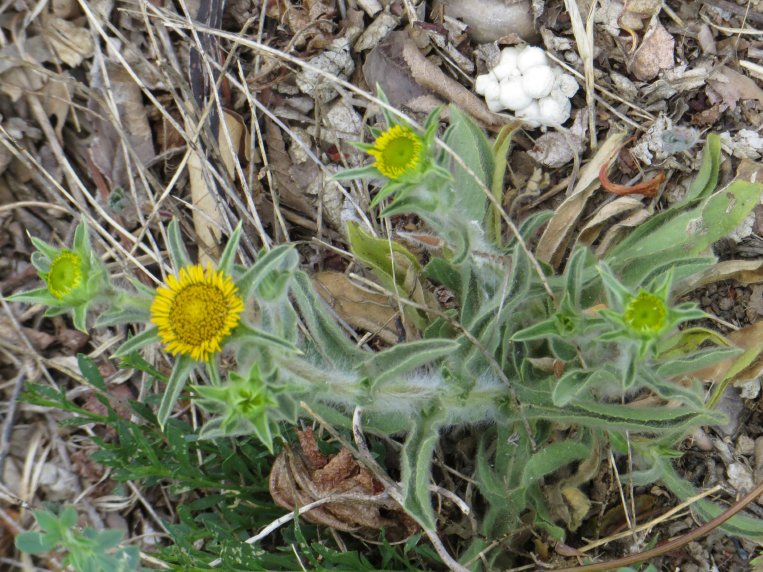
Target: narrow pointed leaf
x=175, y=385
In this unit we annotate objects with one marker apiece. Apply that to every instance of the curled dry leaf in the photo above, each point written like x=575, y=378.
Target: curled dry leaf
x=302, y=475
x=646, y=188
x=604, y=216
x=746, y=272
x=744, y=367
x=552, y=246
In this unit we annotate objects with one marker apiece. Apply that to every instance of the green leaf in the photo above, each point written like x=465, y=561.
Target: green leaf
x=368, y=171
x=48, y=521
x=416, y=469
x=707, y=176
x=68, y=518
x=175, y=385
x=402, y=358
x=123, y=316
x=91, y=372
x=500, y=152
x=331, y=342
x=177, y=250
x=147, y=336
x=696, y=361
x=228, y=255
x=79, y=317
x=468, y=141
x=50, y=251
x=34, y=543
x=576, y=382
x=573, y=274
x=551, y=458
x=739, y=525
x=109, y=538
x=81, y=242
x=281, y=258
x=245, y=332
x=541, y=330
x=687, y=234
x=36, y=296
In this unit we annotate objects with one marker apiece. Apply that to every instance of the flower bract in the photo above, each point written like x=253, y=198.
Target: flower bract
x=196, y=311
x=646, y=313
x=65, y=274
x=398, y=151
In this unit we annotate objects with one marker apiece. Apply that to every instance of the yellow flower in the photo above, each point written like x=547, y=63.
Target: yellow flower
x=65, y=274
x=646, y=313
x=397, y=151
x=196, y=311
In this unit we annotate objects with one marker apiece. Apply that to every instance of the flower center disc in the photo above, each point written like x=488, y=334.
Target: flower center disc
x=196, y=312
x=646, y=313
x=64, y=275
x=396, y=151
x=399, y=152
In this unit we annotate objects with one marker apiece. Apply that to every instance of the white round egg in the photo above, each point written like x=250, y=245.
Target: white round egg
x=530, y=57
x=538, y=81
x=513, y=95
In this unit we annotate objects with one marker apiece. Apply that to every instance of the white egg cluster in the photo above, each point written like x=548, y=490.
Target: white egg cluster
x=525, y=82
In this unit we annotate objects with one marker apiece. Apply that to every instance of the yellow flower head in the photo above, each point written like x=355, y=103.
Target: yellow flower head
x=65, y=274
x=646, y=313
x=196, y=311
x=397, y=151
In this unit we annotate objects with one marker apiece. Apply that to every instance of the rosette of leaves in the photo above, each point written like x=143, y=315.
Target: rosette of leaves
x=75, y=278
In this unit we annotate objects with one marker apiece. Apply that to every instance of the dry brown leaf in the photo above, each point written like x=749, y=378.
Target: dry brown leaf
x=67, y=9
x=432, y=77
x=604, y=215
x=730, y=86
x=553, y=243
x=72, y=43
x=743, y=271
x=57, y=102
x=749, y=338
x=756, y=299
x=302, y=475
x=654, y=54
x=617, y=232
x=105, y=149
x=359, y=307
x=385, y=67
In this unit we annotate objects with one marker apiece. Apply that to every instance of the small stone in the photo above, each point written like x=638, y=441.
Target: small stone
x=705, y=301
x=740, y=477
x=726, y=304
